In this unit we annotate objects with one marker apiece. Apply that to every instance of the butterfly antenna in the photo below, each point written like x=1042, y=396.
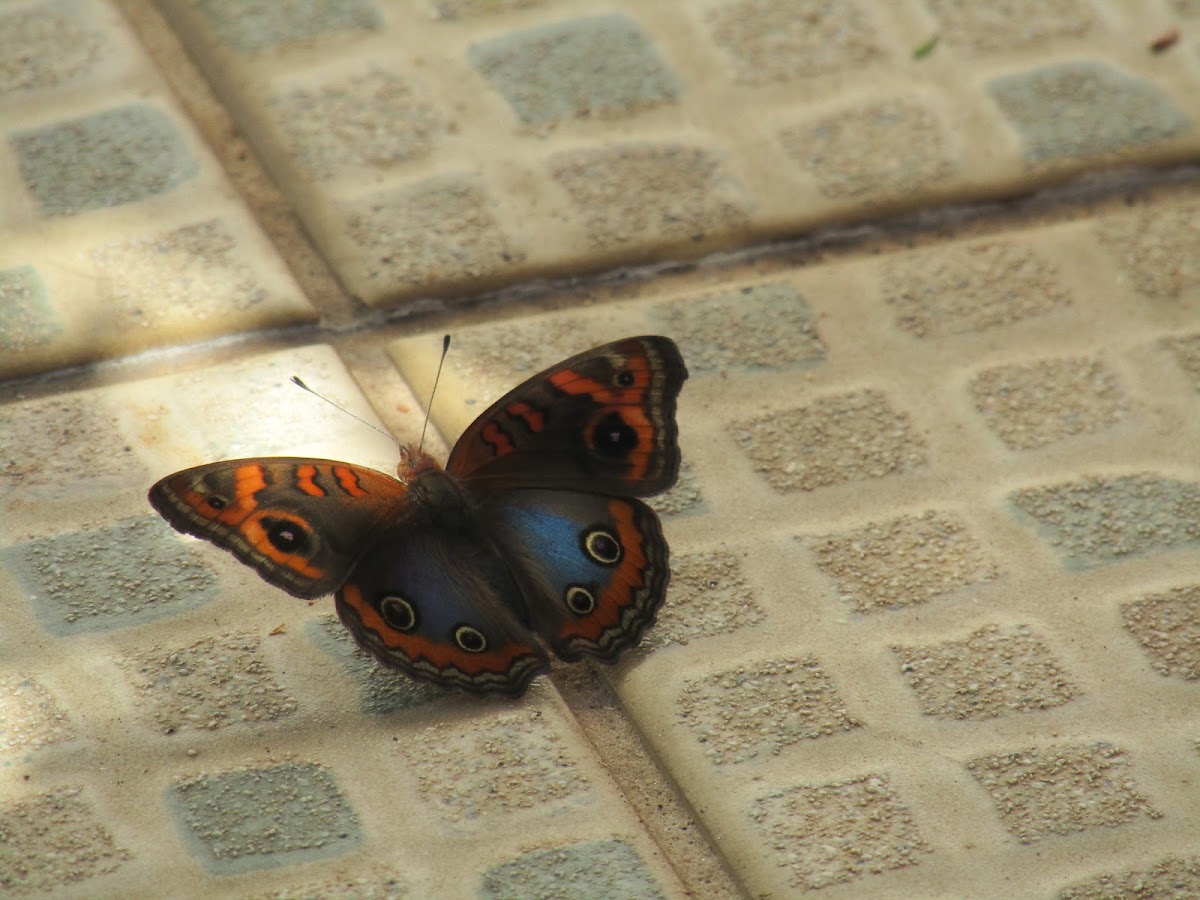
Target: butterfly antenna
x=300, y=384
x=436, y=379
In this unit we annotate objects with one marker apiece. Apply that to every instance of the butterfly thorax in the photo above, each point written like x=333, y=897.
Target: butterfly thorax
x=437, y=495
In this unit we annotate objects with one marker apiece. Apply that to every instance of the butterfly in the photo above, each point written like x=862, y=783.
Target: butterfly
x=530, y=540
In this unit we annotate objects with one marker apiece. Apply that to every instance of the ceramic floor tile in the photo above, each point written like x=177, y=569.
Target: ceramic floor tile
x=472, y=145
x=803, y=628
x=113, y=204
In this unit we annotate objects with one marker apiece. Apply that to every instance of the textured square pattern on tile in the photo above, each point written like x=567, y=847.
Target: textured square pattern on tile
x=747, y=712
x=606, y=870
x=846, y=437
x=991, y=673
x=638, y=193
x=1159, y=251
x=64, y=823
x=1170, y=877
x=134, y=152
x=1098, y=520
x=709, y=597
x=582, y=68
x=970, y=288
x=1084, y=109
x=1058, y=790
x=1011, y=24
x=375, y=883
x=212, y=683
x=838, y=832
x=92, y=581
x=33, y=718
x=1032, y=405
x=769, y=42
x=429, y=234
x=27, y=318
x=270, y=816
x=262, y=26
x=1186, y=351
x=375, y=118
x=880, y=151
x=1168, y=628
x=906, y=561
x=510, y=762
x=760, y=326
x=62, y=43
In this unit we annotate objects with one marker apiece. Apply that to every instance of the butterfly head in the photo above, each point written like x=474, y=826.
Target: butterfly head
x=414, y=463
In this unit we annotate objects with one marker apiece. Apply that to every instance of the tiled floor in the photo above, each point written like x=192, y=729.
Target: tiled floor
x=934, y=623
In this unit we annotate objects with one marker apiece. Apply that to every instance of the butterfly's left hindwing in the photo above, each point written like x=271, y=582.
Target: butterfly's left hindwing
x=593, y=569
x=300, y=523
x=442, y=608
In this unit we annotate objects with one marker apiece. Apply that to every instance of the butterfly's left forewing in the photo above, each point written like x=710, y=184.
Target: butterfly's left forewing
x=302, y=524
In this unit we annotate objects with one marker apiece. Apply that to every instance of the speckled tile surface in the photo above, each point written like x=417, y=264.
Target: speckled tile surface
x=118, y=230
x=934, y=616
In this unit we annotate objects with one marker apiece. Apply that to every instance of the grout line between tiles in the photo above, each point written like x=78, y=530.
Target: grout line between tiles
x=655, y=797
